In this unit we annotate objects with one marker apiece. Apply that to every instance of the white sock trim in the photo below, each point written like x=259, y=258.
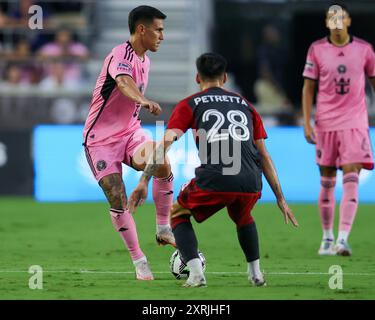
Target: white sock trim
x=253, y=269
x=135, y=262
x=328, y=234
x=116, y=212
x=162, y=227
x=343, y=235
x=195, y=266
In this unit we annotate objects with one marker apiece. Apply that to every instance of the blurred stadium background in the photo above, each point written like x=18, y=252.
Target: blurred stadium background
x=45, y=90
x=265, y=42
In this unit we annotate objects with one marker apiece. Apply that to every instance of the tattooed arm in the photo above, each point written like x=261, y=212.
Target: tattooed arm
x=128, y=88
x=156, y=159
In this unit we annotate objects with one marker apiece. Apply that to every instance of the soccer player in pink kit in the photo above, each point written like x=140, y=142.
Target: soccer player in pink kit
x=338, y=64
x=113, y=134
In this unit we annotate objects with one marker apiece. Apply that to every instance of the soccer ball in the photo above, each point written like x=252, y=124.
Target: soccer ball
x=179, y=268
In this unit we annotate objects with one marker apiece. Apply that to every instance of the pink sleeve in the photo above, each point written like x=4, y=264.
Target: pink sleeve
x=370, y=63
x=119, y=65
x=311, y=70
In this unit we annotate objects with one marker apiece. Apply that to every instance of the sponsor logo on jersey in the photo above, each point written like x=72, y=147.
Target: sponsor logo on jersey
x=309, y=64
x=124, y=67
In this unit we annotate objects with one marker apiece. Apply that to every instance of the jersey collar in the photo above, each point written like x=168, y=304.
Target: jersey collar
x=350, y=41
x=144, y=57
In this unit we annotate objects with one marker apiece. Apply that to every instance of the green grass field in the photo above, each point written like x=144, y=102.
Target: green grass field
x=83, y=258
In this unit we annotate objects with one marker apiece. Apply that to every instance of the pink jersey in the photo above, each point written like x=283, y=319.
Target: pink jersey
x=113, y=115
x=341, y=100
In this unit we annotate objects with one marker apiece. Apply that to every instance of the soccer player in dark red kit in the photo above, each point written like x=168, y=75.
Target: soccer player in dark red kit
x=338, y=64
x=224, y=124
x=113, y=134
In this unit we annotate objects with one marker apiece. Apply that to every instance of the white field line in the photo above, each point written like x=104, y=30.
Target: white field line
x=83, y=271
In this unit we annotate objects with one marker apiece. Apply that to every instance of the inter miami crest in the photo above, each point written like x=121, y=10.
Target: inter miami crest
x=342, y=85
x=101, y=165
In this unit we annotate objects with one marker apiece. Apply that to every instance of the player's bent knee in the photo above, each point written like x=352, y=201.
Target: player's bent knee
x=178, y=210
x=327, y=171
x=163, y=171
x=178, y=215
x=355, y=167
x=179, y=219
x=113, y=189
x=243, y=221
x=110, y=185
x=140, y=157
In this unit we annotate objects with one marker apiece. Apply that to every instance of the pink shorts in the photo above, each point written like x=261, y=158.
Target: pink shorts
x=107, y=159
x=337, y=148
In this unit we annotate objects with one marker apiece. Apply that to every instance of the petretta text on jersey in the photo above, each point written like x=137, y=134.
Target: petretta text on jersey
x=218, y=98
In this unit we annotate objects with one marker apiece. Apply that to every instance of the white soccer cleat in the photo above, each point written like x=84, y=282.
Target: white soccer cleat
x=195, y=281
x=343, y=249
x=143, y=271
x=165, y=237
x=258, y=282
x=327, y=248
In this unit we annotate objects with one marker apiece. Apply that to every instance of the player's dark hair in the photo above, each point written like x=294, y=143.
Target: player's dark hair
x=343, y=6
x=211, y=65
x=145, y=14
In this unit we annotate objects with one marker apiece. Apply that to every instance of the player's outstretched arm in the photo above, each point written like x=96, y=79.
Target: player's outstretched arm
x=157, y=158
x=272, y=179
x=307, y=103
x=128, y=88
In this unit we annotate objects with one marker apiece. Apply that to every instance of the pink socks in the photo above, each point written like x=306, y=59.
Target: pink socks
x=349, y=201
x=326, y=204
x=162, y=193
x=348, y=205
x=124, y=223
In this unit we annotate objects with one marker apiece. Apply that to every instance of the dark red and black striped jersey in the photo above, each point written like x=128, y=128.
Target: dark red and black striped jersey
x=225, y=126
